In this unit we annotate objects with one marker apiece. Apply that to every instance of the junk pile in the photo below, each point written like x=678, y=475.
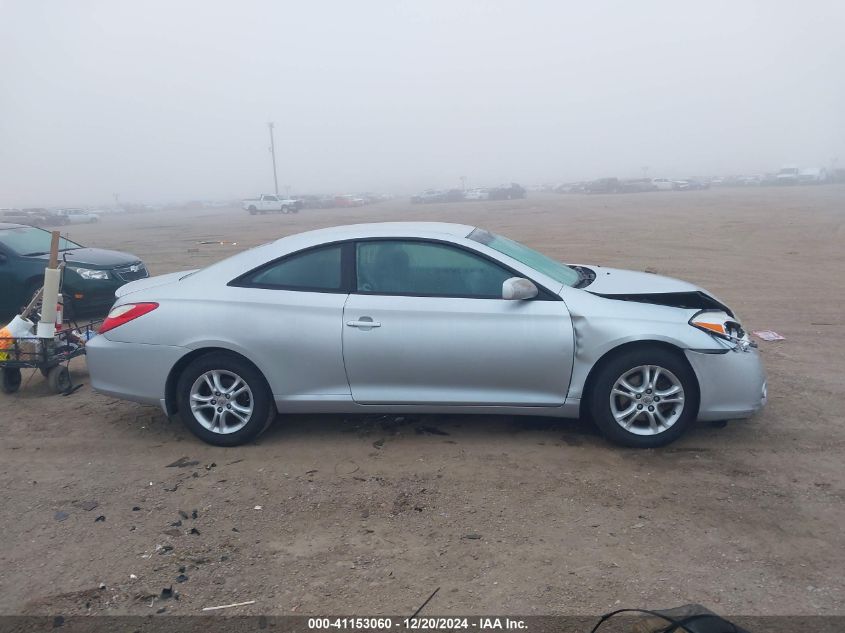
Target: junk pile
x=38, y=340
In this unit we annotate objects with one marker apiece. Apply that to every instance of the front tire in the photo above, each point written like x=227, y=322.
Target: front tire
x=644, y=398
x=224, y=400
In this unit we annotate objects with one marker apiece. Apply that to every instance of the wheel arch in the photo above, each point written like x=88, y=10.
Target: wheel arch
x=589, y=383
x=170, y=399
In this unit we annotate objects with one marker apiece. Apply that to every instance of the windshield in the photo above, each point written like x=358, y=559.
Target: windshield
x=29, y=240
x=521, y=253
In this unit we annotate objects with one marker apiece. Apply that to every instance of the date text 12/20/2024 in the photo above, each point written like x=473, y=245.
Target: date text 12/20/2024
x=416, y=624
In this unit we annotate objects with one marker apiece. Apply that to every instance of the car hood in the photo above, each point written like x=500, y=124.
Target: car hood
x=614, y=281
x=97, y=257
x=152, y=282
x=633, y=285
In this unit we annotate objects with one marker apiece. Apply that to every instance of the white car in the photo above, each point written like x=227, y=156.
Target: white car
x=267, y=203
x=78, y=216
x=477, y=194
x=663, y=184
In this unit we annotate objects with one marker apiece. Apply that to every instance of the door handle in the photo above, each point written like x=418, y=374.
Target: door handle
x=364, y=322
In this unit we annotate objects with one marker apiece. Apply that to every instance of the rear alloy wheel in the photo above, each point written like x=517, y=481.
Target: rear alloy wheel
x=644, y=398
x=224, y=400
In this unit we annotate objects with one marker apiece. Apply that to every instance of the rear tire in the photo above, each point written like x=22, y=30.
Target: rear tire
x=58, y=378
x=224, y=400
x=644, y=398
x=11, y=379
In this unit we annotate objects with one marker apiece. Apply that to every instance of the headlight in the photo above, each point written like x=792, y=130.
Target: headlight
x=720, y=325
x=89, y=273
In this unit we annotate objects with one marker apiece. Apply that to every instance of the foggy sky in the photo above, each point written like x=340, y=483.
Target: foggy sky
x=169, y=99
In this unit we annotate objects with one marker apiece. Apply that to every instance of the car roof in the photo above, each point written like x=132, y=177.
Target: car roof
x=249, y=259
x=381, y=229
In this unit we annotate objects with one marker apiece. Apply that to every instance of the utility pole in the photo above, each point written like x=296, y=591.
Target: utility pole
x=273, y=153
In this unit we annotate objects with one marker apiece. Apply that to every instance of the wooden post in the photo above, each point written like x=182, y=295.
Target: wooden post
x=54, y=250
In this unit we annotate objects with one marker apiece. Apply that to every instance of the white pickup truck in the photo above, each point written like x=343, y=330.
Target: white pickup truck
x=267, y=203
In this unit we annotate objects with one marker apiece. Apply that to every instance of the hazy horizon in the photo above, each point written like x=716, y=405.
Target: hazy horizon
x=169, y=101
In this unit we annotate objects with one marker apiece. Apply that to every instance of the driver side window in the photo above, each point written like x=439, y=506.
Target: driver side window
x=428, y=269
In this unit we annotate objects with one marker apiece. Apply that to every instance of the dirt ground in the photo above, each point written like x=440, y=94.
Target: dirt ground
x=327, y=514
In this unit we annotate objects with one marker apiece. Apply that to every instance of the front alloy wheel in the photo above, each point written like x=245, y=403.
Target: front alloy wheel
x=647, y=400
x=644, y=397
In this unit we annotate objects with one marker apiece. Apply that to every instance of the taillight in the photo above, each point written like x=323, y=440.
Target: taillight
x=126, y=313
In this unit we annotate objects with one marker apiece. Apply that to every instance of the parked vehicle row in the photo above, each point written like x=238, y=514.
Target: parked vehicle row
x=513, y=191
x=78, y=216
x=788, y=175
x=48, y=217
x=268, y=203
x=632, y=185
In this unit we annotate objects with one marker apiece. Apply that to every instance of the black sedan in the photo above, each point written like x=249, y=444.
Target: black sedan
x=90, y=279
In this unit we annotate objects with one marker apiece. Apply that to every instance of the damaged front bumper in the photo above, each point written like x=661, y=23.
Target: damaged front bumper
x=732, y=383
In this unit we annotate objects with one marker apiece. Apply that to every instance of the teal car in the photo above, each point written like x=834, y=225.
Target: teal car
x=90, y=278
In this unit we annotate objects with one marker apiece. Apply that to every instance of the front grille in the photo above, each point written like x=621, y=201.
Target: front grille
x=131, y=273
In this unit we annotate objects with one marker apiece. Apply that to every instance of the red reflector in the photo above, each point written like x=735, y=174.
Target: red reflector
x=126, y=313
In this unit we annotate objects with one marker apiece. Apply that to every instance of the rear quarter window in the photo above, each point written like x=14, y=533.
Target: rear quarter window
x=316, y=269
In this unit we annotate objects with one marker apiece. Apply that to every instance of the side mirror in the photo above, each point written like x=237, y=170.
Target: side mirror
x=518, y=289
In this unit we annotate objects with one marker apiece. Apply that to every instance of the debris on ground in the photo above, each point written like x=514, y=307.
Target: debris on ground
x=88, y=505
x=229, y=606
x=346, y=468
x=768, y=335
x=60, y=515
x=472, y=536
x=182, y=462
x=100, y=519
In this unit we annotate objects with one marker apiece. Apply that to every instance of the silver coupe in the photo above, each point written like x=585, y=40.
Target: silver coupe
x=422, y=317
